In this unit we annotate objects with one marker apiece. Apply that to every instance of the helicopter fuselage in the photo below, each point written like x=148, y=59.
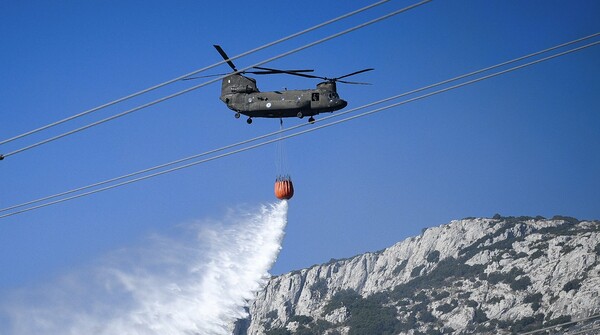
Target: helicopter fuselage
x=241, y=95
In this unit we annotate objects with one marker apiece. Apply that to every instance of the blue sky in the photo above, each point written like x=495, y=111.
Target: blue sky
x=526, y=143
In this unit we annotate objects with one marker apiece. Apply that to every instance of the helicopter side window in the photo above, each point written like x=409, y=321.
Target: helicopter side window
x=315, y=97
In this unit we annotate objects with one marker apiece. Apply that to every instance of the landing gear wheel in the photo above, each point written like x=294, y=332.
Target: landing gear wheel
x=311, y=120
x=300, y=115
x=249, y=121
x=237, y=115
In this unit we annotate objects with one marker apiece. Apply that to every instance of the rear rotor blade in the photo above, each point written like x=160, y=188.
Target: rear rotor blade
x=225, y=57
x=354, y=73
x=353, y=82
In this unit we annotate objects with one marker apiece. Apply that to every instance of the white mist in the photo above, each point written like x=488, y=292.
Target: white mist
x=197, y=283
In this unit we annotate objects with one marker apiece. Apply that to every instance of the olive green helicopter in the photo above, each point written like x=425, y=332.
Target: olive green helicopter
x=241, y=94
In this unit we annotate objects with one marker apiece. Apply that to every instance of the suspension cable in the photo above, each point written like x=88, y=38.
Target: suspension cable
x=338, y=114
x=89, y=111
x=291, y=128
x=284, y=137
x=171, y=96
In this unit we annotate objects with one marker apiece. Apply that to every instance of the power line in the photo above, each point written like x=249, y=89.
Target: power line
x=338, y=114
x=586, y=331
x=193, y=73
x=171, y=96
x=595, y=316
x=294, y=134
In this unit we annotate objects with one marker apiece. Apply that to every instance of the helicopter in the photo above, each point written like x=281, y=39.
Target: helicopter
x=241, y=94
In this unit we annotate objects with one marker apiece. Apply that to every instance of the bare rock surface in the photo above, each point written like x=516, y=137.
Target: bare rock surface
x=495, y=276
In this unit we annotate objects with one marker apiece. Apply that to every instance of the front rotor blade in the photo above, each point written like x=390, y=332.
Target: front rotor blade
x=225, y=57
x=206, y=76
x=289, y=72
x=277, y=70
x=267, y=70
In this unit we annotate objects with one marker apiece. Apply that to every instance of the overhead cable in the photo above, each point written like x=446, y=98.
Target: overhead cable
x=381, y=18
x=336, y=115
x=287, y=136
x=572, y=322
x=194, y=72
x=586, y=331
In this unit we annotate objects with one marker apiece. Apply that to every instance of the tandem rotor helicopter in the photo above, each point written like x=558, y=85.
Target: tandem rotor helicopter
x=241, y=94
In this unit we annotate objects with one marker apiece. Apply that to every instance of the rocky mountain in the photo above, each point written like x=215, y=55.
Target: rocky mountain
x=494, y=276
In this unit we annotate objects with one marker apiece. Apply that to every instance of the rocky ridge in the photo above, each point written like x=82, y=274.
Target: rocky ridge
x=476, y=275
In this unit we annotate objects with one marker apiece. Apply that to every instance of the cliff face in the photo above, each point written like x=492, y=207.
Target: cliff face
x=495, y=275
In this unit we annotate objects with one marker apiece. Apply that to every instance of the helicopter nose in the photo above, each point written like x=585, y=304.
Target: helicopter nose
x=342, y=103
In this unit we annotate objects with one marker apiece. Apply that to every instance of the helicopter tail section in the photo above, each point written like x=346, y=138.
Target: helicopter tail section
x=237, y=83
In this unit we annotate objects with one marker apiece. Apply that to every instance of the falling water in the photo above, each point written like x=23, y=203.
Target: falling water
x=196, y=283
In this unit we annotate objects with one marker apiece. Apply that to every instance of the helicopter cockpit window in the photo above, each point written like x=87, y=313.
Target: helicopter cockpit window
x=315, y=97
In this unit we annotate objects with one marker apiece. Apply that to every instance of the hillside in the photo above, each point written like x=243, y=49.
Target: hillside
x=476, y=275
